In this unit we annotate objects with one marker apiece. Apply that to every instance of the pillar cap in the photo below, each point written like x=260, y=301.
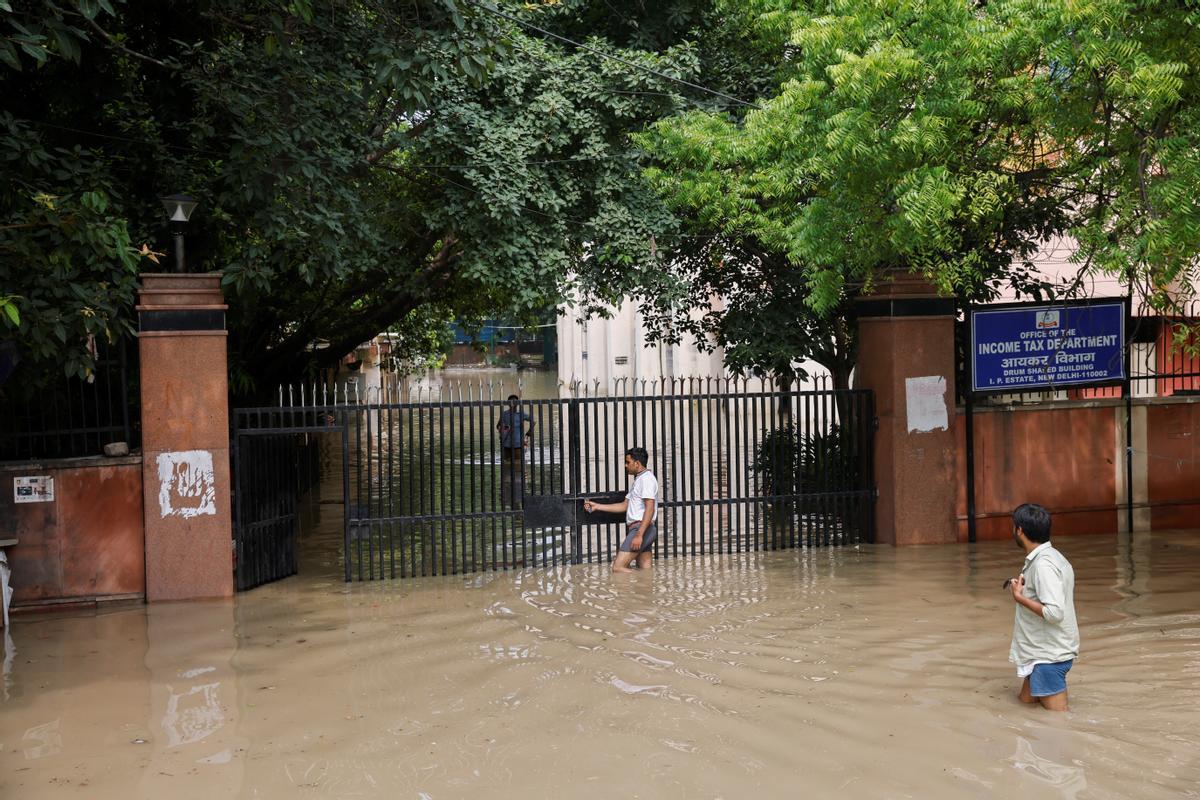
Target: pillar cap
x=904, y=294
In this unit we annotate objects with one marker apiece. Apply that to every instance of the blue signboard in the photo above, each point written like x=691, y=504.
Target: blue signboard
x=1018, y=348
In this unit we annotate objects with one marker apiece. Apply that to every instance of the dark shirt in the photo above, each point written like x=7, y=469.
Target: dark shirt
x=512, y=424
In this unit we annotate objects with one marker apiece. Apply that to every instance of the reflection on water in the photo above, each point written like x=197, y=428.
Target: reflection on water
x=858, y=672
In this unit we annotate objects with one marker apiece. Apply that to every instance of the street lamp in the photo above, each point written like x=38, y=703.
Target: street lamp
x=179, y=210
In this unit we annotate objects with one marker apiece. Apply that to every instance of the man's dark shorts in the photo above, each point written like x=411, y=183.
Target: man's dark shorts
x=647, y=540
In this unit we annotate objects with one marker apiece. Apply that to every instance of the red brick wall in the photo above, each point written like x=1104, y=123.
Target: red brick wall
x=88, y=543
x=1173, y=464
x=1061, y=458
x=1069, y=459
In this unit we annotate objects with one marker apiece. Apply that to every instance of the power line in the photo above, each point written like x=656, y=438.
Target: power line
x=580, y=45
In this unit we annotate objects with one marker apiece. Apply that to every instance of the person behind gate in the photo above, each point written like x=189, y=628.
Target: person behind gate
x=640, y=507
x=513, y=438
x=1045, y=640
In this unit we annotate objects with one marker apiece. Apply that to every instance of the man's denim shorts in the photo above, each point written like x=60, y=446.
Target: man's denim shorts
x=1048, y=679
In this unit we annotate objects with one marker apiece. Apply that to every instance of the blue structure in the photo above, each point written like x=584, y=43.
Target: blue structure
x=1035, y=346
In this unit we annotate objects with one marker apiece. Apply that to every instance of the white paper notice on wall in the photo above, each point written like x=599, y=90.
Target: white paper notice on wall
x=186, y=484
x=925, y=399
x=33, y=489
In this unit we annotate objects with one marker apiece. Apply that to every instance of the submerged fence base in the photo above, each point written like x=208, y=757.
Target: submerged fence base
x=471, y=485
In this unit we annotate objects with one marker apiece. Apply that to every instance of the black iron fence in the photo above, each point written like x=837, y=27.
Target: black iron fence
x=275, y=470
x=441, y=487
x=45, y=417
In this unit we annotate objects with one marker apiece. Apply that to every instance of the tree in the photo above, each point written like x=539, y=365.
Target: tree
x=951, y=138
x=360, y=162
x=723, y=286
x=67, y=263
x=748, y=300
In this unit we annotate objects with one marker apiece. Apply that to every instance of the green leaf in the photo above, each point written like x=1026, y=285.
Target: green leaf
x=10, y=311
x=36, y=52
x=8, y=54
x=67, y=45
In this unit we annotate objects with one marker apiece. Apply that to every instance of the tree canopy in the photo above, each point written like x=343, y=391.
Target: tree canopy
x=951, y=138
x=365, y=165
x=361, y=165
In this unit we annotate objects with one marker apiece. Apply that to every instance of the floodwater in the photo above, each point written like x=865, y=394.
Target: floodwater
x=861, y=672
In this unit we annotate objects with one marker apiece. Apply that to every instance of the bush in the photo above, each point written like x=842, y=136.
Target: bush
x=789, y=461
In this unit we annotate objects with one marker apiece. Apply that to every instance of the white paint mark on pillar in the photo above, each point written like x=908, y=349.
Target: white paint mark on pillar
x=925, y=401
x=187, y=486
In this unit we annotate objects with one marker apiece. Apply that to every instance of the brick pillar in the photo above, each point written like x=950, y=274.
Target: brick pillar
x=185, y=437
x=906, y=356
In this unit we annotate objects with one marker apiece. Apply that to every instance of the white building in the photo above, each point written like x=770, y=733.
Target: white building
x=599, y=352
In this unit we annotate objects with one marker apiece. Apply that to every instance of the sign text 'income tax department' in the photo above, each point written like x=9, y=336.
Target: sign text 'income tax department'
x=1043, y=346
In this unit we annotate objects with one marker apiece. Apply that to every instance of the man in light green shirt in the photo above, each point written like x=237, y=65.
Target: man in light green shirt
x=1045, y=639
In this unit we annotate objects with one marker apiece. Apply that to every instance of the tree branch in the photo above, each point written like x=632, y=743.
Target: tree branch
x=113, y=43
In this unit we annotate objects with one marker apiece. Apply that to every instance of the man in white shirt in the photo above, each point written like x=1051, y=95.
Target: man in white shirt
x=1045, y=639
x=640, y=507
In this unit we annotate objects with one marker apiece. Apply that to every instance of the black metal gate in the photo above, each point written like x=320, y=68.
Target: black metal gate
x=275, y=460
x=431, y=488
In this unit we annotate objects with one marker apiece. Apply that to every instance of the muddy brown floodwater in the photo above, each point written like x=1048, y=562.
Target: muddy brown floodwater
x=864, y=672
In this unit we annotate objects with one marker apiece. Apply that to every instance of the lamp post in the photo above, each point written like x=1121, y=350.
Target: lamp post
x=179, y=210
